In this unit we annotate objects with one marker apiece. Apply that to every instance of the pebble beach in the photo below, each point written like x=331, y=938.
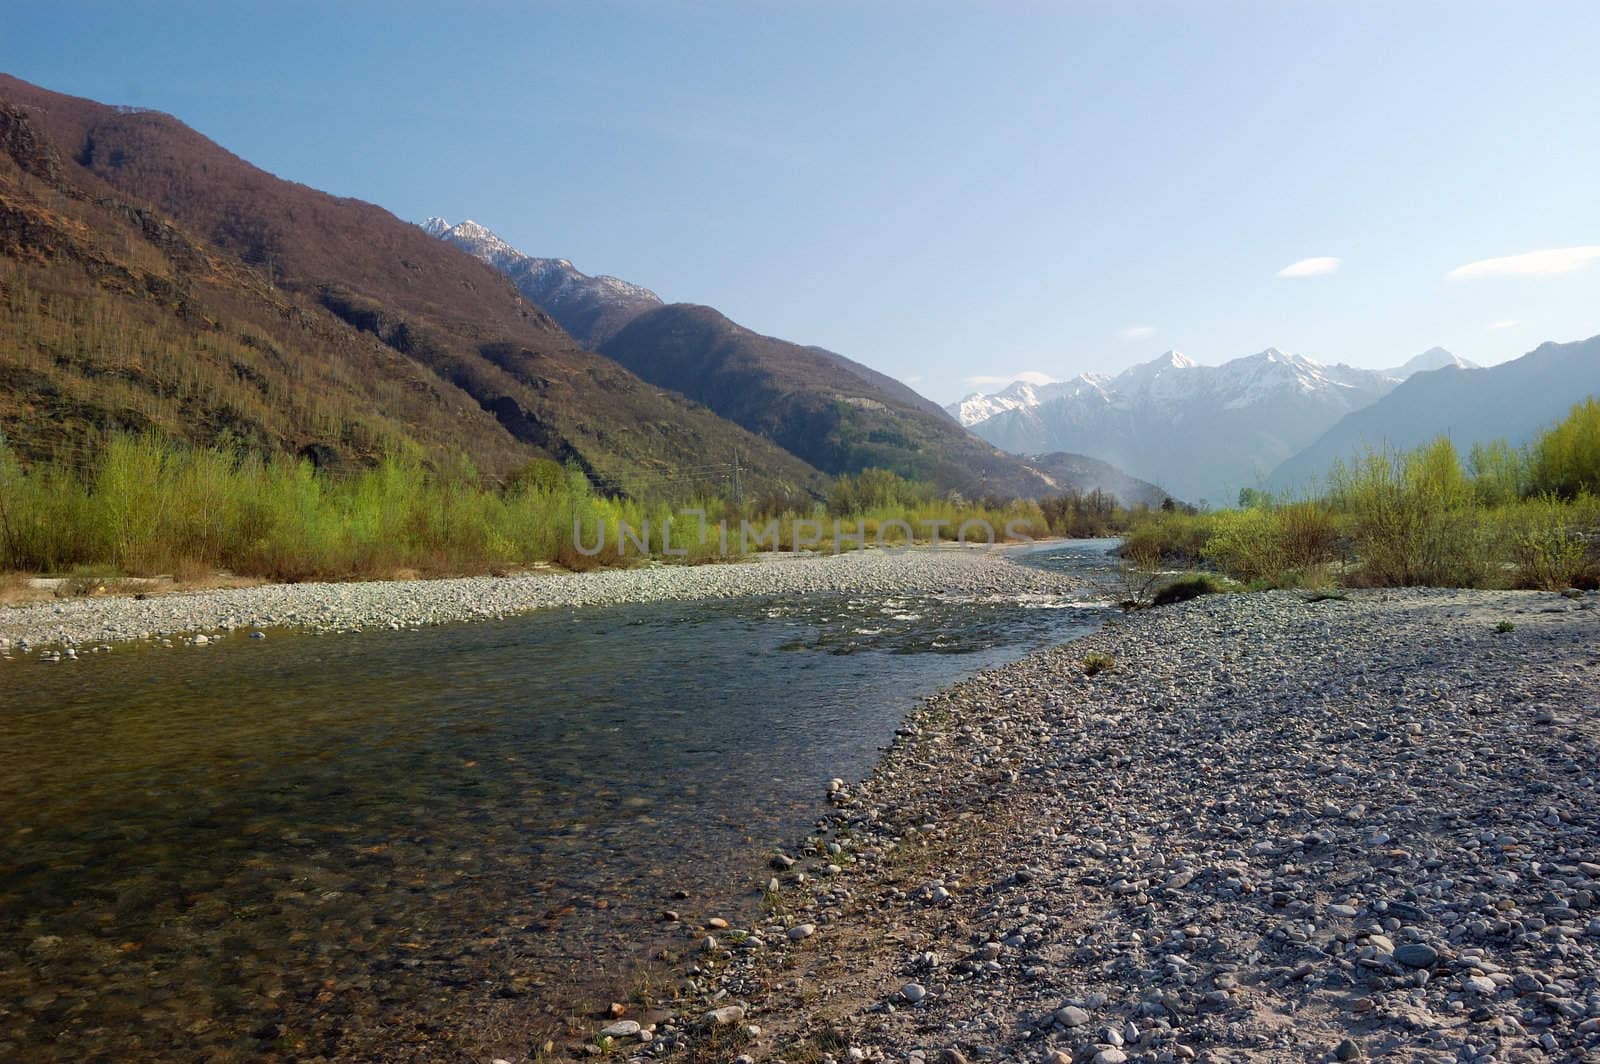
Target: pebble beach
x=96, y=621
x=1262, y=827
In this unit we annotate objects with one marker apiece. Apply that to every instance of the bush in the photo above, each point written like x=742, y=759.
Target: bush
x=1169, y=538
x=1565, y=461
x=1412, y=517
x=1548, y=541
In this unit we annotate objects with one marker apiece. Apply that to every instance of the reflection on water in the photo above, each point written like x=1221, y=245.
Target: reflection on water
x=358, y=843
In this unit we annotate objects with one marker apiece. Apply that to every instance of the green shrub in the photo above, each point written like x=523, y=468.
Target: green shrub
x=1548, y=541
x=1413, y=518
x=1565, y=460
x=1168, y=538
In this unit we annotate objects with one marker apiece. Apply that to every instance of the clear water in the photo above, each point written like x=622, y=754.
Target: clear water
x=372, y=845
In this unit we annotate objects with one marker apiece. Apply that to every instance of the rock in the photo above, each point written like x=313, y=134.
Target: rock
x=1347, y=1050
x=1110, y=1055
x=620, y=1029
x=950, y=1056
x=801, y=931
x=726, y=1016
x=914, y=993
x=1416, y=955
x=1071, y=1016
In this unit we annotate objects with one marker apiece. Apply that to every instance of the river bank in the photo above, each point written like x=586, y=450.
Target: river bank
x=1276, y=828
x=76, y=623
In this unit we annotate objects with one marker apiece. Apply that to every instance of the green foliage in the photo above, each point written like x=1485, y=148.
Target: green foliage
x=1169, y=537
x=1527, y=518
x=1548, y=541
x=1504, y=627
x=148, y=505
x=875, y=489
x=1565, y=461
x=1499, y=473
x=1413, y=517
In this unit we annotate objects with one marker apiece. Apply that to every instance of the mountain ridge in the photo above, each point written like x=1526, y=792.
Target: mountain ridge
x=1511, y=400
x=828, y=410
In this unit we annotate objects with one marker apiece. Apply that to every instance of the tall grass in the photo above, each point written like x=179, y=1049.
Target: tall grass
x=147, y=506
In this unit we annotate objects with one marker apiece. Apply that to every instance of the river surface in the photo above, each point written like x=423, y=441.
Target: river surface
x=358, y=845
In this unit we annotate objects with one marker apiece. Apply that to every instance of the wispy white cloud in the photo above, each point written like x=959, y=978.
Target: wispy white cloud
x=1318, y=266
x=1509, y=323
x=1137, y=332
x=1546, y=263
x=1032, y=376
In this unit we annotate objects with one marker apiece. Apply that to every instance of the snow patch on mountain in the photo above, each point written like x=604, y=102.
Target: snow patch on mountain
x=590, y=308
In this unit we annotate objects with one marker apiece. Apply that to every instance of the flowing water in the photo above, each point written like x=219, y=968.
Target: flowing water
x=349, y=845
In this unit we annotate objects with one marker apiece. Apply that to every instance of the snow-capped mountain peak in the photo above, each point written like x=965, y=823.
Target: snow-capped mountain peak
x=1431, y=359
x=590, y=308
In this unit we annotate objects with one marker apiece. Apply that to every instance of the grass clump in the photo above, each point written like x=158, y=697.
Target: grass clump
x=1095, y=662
x=1505, y=626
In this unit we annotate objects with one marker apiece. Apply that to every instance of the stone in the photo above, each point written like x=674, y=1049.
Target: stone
x=914, y=993
x=726, y=1016
x=620, y=1029
x=1416, y=955
x=1071, y=1016
x=801, y=931
x=1347, y=1050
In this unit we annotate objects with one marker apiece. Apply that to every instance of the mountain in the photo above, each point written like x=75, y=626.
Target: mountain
x=1202, y=432
x=834, y=413
x=825, y=409
x=1431, y=359
x=1511, y=401
x=1017, y=395
x=591, y=309
x=154, y=280
x=1085, y=475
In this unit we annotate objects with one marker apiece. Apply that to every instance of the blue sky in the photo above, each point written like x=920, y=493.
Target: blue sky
x=943, y=191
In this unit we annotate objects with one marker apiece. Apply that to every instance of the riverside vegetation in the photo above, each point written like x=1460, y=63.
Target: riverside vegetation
x=146, y=504
x=1527, y=518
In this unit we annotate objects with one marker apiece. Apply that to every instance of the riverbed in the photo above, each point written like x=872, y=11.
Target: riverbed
x=384, y=842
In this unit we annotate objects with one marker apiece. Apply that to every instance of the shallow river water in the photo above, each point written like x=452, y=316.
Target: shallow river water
x=340, y=846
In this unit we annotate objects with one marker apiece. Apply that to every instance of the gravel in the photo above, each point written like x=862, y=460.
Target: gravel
x=1279, y=828
x=197, y=616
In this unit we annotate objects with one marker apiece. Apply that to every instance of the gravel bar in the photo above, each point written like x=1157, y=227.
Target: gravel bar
x=74, y=623
x=1279, y=828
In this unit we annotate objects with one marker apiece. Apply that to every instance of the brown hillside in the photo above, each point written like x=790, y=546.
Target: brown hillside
x=153, y=278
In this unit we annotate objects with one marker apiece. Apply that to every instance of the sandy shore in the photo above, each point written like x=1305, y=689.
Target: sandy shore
x=1277, y=829
x=77, y=623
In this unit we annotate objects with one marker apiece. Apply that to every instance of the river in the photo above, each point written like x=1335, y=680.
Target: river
x=341, y=845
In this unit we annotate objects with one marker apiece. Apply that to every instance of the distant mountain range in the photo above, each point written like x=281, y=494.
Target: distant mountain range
x=1202, y=432
x=1511, y=401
